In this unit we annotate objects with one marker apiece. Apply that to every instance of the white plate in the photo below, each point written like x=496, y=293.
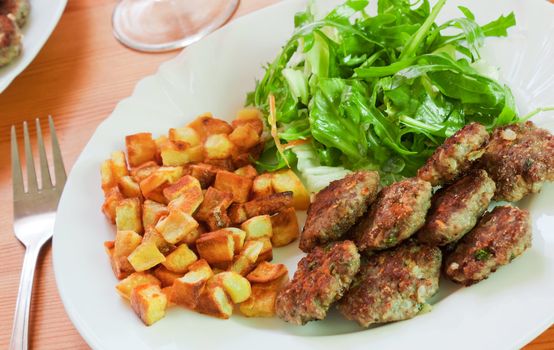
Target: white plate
x=503, y=312
x=41, y=22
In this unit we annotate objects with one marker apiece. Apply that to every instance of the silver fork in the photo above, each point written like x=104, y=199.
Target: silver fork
x=34, y=212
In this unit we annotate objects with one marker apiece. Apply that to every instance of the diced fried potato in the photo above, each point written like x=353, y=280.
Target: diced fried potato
x=185, y=134
x=125, y=243
x=180, y=259
x=167, y=291
x=267, y=272
x=176, y=226
x=136, y=279
x=152, y=212
x=119, y=164
x=271, y=204
x=113, y=197
x=128, y=215
x=214, y=302
x=205, y=125
x=144, y=170
x=260, y=304
x=237, y=214
x=213, y=209
x=160, y=142
x=152, y=183
x=222, y=164
x=286, y=180
x=120, y=266
x=171, y=173
x=257, y=227
x=285, y=227
x=165, y=276
x=246, y=260
x=129, y=187
x=266, y=254
x=238, y=236
x=188, y=202
x=248, y=171
x=151, y=235
x=249, y=116
x=149, y=303
x=262, y=186
x=145, y=256
x=245, y=136
x=204, y=173
x=236, y=286
x=184, y=185
x=141, y=148
x=218, y=146
x=216, y=247
x=239, y=186
x=108, y=177
x=187, y=289
x=175, y=153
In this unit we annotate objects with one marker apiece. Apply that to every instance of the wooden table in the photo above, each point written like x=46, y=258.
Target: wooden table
x=78, y=77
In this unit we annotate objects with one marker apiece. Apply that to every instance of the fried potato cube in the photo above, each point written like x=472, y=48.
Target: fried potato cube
x=235, y=285
x=125, y=243
x=266, y=254
x=239, y=186
x=184, y=185
x=185, y=134
x=239, y=237
x=167, y=291
x=129, y=187
x=257, y=227
x=271, y=204
x=248, y=171
x=245, y=136
x=214, y=302
x=285, y=227
x=213, y=209
x=145, y=256
x=246, y=260
x=174, y=153
x=218, y=146
x=216, y=247
x=144, y=170
x=165, y=276
x=151, y=235
x=180, y=259
x=152, y=186
x=176, y=226
x=153, y=182
x=286, y=180
x=113, y=197
x=204, y=173
x=149, y=303
x=128, y=215
x=120, y=267
x=205, y=125
x=267, y=272
x=187, y=289
x=188, y=202
x=152, y=212
x=119, y=164
x=141, y=148
x=262, y=186
x=237, y=214
x=250, y=116
x=136, y=279
x=107, y=176
x=262, y=300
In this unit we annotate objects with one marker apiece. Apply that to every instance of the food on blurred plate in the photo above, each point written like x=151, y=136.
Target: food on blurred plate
x=500, y=236
x=393, y=285
x=191, y=228
x=455, y=209
x=337, y=207
x=10, y=40
x=322, y=277
x=19, y=9
x=519, y=158
x=397, y=213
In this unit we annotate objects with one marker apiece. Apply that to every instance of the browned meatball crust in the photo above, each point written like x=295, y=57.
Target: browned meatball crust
x=322, y=277
x=337, y=207
x=519, y=158
x=397, y=213
x=456, y=209
x=10, y=40
x=501, y=235
x=393, y=285
x=455, y=156
x=19, y=9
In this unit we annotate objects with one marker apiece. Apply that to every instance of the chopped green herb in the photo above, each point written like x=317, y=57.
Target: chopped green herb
x=482, y=254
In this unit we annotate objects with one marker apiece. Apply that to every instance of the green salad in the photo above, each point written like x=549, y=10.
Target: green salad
x=352, y=90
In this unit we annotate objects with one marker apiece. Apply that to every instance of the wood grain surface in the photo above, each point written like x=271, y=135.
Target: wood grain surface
x=78, y=77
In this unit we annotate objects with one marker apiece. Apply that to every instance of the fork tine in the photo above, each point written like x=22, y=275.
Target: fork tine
x=44, y=171
x=17, y=175
x=32, y=185
x=59, y=169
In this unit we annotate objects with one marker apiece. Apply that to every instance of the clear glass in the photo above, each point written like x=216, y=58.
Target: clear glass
x=164, y=25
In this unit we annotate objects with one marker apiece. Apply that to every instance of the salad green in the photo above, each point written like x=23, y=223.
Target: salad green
x=381, y=92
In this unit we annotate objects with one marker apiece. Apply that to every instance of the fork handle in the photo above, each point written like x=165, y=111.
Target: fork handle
x=20, y=332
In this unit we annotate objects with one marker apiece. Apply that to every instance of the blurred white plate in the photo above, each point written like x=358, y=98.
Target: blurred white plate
x=503, y=312
x=41, y=22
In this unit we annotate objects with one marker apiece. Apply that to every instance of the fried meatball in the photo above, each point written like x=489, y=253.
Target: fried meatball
x=322, y=278
x=456, y=209
x=519, y=158
x=393, y=285
x=10, y=40
x=455, y=156
x=337, y=207
x=18, y=8
x=501, y=235
x=397, y=213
